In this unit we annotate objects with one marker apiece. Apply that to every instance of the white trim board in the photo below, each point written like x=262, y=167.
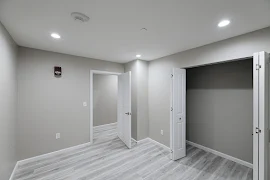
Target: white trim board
x=142, y=140
x=36, y=158
x=105, y=125
x=134, y=140
x=239, y=161
x=13, y=172
x=43, y=156
x=158, y=143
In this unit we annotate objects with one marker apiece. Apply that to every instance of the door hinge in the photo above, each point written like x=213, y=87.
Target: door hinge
x=257, y=131
x=171, y=151
x=171, y=75
x=171, y=109
x=258, y=66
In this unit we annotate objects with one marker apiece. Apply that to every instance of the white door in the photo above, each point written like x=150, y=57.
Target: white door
x=178, y=114
x=260, y=115
x=124, y=108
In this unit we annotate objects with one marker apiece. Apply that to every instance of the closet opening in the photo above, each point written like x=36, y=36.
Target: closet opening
x=223, y=109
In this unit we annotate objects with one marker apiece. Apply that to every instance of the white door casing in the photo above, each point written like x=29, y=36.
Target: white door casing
x=260, y=115
x=178, y=114
x=255, y=116
x=263, y=114
x=124, y=108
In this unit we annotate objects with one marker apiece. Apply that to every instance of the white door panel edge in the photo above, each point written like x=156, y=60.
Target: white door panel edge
x=124, y=108
x=178, y=114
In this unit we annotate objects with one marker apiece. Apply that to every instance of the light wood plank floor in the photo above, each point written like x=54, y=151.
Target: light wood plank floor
x=109, y=159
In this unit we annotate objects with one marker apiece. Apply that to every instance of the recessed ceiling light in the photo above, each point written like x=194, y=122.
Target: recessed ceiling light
x=55, y=36
x=138, y=55
x=224, y=23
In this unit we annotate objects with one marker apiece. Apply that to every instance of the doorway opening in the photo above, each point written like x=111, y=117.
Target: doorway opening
x=105, y=90
x=110, y=105
x=227, y=112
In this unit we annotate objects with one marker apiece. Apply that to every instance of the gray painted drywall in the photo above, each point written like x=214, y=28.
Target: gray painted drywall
x=49, y=105
x=220, y=107
x=8, y=103
x=105, y=88
x=139, y=83
x=142, y=100
x=160, y=70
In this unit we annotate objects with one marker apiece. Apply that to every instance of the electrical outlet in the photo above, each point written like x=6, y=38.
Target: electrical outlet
x=161, y=132
x=57, y=136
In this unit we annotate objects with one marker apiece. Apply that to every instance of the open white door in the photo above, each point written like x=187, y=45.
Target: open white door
x=260, y=115
x=124, y=108
x=178, y=114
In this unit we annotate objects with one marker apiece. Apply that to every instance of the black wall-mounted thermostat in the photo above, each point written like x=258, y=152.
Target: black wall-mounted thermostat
x=57, y=71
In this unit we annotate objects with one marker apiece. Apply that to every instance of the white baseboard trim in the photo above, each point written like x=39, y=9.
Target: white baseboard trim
x=104, y=125
x=13, y=172
x=134, y=140
x=239, y=161
x=158, y=143
x=36, y=158
x=142, y=140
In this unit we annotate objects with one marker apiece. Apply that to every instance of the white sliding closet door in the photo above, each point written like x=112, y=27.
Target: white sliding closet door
x=260, y=115
x=178, y=114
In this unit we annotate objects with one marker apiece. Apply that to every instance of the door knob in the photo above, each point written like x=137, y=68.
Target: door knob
x=128, y=113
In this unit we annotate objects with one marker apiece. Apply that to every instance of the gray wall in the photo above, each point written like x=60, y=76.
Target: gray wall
x=105, y=99
x=49, y=105
x=160, y=70
x=8, y=103
x=139, y=106
x=142, y=100
x=220, y=107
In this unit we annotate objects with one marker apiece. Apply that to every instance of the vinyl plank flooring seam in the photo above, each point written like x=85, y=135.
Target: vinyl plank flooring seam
x=133, y=162
x=129, y=172
x=183, y=167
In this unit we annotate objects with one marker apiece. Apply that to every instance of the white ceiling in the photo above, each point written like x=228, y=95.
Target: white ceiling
x=113, y=32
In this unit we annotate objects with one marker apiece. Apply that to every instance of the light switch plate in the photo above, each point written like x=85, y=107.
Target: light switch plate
x=161, y=132
x=57, y=136
x=84, y=104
